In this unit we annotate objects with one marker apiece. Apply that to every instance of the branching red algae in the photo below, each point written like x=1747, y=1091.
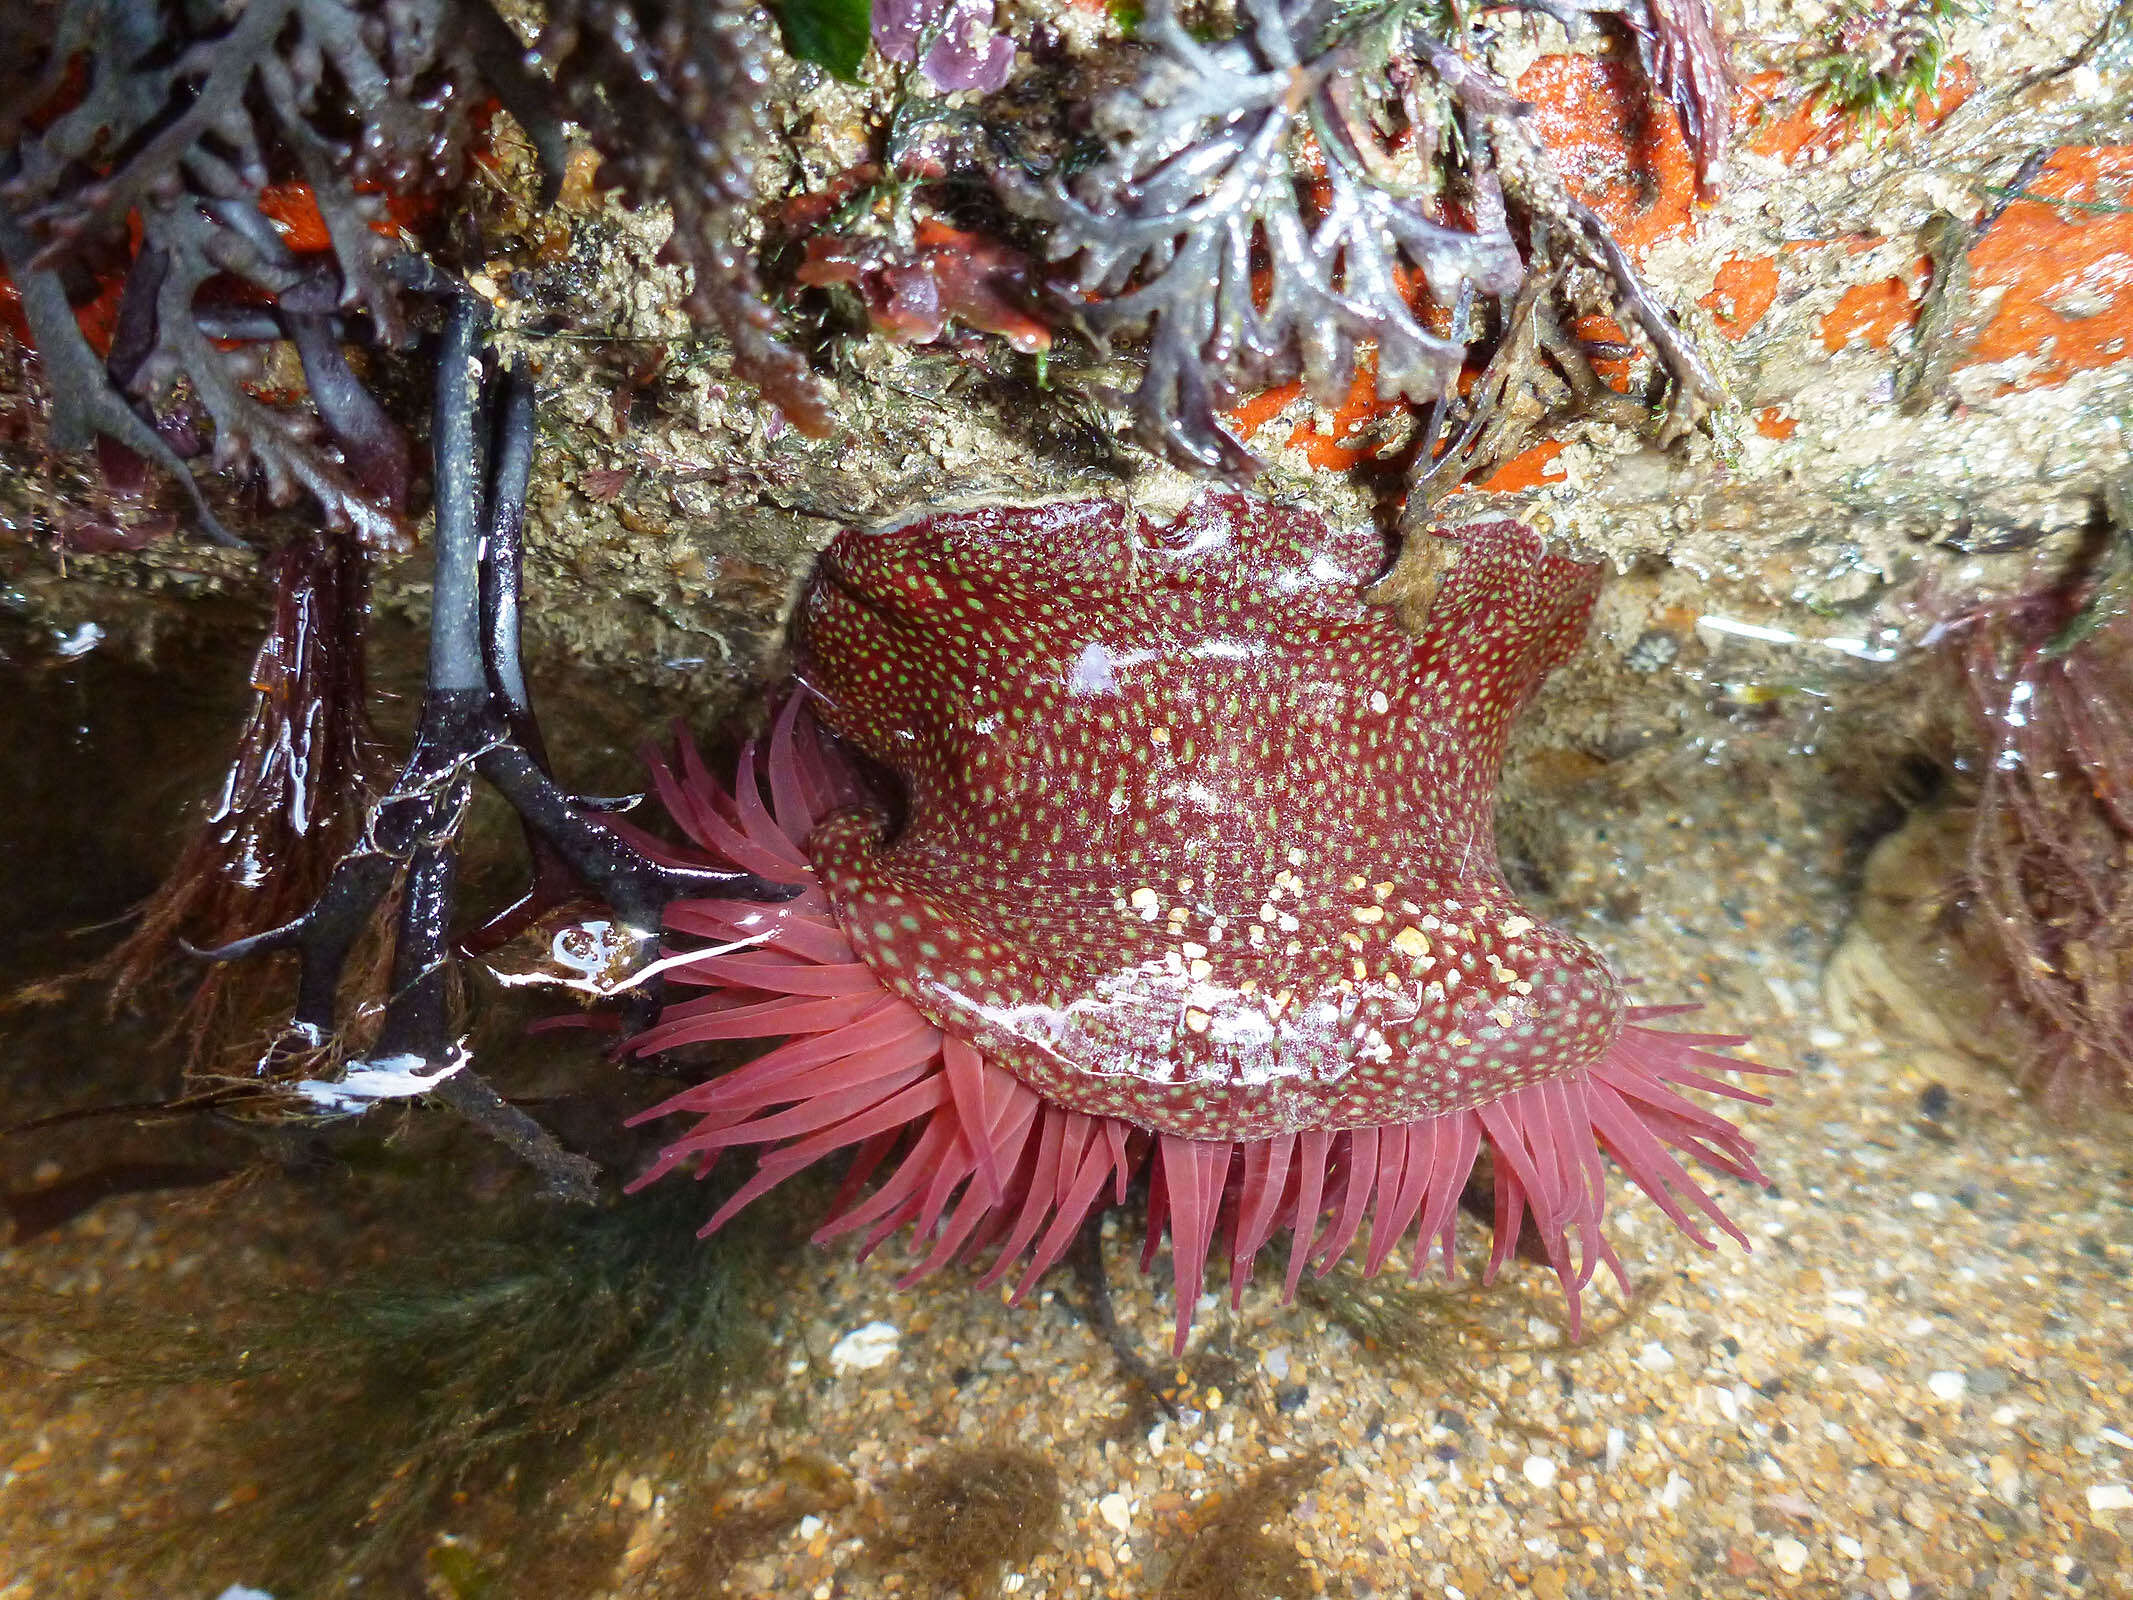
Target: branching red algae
x=2050, y=866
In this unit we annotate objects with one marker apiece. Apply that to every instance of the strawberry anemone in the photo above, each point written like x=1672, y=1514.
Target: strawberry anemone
x=1127, y=845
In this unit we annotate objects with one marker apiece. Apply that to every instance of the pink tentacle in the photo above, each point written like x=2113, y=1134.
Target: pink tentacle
x=865, y=1162
x=800, y=1089
x=722, y=838
x=1516, y=1123
x=796, y=818
x=776, y=1167
x=1196, y=1170
x=796, y=927
x=660, y=850
x=822, y=1111
x=894, y=1028
x=1072, y=1211
x=1117, y=1135
x=1651, y=1167
x=968, y=1074
x=792, y=977
x=1037, y=1200
x=1509, y=1221
x=1458, y=1135
x=756, y=821
x=763, y=1019
x=1361, y=1177
x=1266, y=1175
x=902, y=1197
x=681, y=803
x=1400, y=1195
x=1312, y=1148
x=961, y=1229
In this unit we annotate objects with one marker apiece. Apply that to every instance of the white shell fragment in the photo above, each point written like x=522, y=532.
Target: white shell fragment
x=864, y=1349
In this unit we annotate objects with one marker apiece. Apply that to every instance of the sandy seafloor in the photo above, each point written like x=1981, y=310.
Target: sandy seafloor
x=1917, y=1385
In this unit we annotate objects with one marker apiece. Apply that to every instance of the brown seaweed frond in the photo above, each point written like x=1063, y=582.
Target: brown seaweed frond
x=298, y=786
x=1538, y=376
x=468, y=1370
x=1231, y=1556
x=1683, y=55
x=2050, y=684
x=187, y=125
x=722, y=1525
x=966, y=1517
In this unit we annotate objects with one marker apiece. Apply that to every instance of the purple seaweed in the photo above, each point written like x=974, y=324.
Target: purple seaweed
x=963, y=52
x=1269, y=200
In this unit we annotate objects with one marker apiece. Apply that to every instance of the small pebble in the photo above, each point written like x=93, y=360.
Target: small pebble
x=2109, y=1497
x=1656, y=1357
x=1947, y=1387
x=1540, y=1472
x=1114, y=1509
x=864, y=1349
x=1790, y=1555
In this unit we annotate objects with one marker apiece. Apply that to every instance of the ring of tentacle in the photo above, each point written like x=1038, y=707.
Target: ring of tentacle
x=970, y=1159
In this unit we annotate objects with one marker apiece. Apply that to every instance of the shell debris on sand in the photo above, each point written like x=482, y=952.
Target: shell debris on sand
x=864, y=1349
